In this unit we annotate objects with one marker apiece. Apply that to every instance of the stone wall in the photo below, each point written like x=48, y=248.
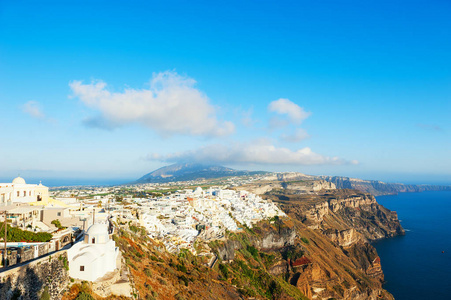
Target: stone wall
x=26, y=254
x=31, y=280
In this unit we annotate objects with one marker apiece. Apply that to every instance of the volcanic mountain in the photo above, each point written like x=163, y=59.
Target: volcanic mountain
x=191, y=171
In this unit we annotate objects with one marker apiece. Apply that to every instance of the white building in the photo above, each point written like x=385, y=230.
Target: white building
x=95, y=256
x=20, y=191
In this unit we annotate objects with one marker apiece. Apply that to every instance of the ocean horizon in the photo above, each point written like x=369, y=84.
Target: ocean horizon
x=61, y=182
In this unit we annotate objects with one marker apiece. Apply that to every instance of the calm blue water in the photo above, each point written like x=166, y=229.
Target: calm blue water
x=414, y=265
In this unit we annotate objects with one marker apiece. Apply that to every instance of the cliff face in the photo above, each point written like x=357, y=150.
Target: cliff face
x=346, y=212
x=290, y=183
x=267, y=240
x=338, y=225
x=377, y=188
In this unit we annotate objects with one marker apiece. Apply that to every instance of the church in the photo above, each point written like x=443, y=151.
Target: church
x=95, y=256
x=20, y=192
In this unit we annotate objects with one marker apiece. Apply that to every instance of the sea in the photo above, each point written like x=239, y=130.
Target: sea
x=418, y=264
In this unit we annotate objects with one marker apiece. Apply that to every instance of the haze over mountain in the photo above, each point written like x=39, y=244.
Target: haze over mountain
x=191, y=171
x=194, y=171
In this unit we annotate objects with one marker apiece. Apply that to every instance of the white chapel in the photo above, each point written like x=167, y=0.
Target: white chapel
x=95, y=256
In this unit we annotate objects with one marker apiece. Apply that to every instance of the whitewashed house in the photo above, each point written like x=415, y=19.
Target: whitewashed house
x=95, y=256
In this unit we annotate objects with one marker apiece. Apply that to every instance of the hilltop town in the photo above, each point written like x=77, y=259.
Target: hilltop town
x=171, y=214
x=162, y=240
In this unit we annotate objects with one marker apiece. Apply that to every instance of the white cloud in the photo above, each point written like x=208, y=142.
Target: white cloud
x=260, y=152
x=33, y=109
x=299, y=135
x=295, y=113
x=172, y=105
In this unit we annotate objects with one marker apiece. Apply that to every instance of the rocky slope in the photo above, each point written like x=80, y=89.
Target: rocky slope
x=290, y=184
x=339, y=225
x=321, y=250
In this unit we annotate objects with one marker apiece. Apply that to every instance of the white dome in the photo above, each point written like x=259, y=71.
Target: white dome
x=19, y=180
x=97, y=229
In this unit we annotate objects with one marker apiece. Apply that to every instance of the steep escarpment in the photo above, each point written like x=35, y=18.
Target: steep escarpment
x=292, y=184
x=339, y=225
x=377, y=188
x=342, y=211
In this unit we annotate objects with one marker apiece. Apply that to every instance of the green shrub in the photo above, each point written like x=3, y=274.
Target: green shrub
x=181, y=268
x=305, y=240
x=45, y=294
x=15, y=234
x=184, y=279
x=84, y=296
x=224, y=270
x=65, y=263
x=253, y=251
x=57, y=224
x=148, y=272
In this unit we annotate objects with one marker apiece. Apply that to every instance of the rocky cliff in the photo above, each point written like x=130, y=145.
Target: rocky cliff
x=377, y=188
x=320, y=251
x=338, y=226
x=289, y=184
x=341, y=210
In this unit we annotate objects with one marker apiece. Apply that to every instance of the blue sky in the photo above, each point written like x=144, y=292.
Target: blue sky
x=105, y=90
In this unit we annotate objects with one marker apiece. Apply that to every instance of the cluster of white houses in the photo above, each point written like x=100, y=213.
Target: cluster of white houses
x=29, y=207
x=178, y=219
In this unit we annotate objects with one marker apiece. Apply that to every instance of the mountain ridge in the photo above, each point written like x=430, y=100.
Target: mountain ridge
x=191, y=171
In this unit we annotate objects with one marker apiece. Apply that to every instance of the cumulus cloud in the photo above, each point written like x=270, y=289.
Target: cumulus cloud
x=33, y=109
x=294, y=112
x=260, y=152
x=299, y=135
x=171, y=105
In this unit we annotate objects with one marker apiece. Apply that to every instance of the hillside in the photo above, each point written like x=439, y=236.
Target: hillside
x=320, y=251
x=191, y=171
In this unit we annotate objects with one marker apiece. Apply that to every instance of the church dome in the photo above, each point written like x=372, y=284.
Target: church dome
x=19, y=180
x=97, y=229
x=97, y=234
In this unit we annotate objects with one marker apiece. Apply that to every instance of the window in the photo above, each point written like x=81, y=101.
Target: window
x=29, y=193
x=82, y=268
x=58, y=214
x=93, y=240
x=18, y=194
x=24, y=193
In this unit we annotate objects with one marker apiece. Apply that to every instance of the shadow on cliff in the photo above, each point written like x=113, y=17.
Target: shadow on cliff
x=31, y=283
x=27, y=287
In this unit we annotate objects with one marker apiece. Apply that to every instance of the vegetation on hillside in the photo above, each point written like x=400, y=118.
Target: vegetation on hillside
x=83, y=291
x=158, y=274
